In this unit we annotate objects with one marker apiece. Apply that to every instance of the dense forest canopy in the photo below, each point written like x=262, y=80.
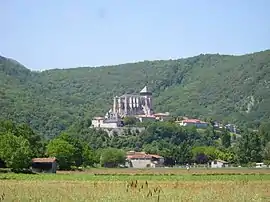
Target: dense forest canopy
x=83, y=146
x=222, y=87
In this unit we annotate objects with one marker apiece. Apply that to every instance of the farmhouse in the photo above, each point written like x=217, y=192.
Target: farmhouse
x=143, y=160
x=219, y=164
x=44, y=165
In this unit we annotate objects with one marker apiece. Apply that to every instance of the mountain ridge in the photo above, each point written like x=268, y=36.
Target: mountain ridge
x=139, y=61
x=223, y=87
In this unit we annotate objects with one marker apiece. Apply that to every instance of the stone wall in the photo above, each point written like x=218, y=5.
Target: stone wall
x=123, y=130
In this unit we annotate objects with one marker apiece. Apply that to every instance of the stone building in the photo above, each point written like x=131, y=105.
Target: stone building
x=143, y=160
x=133, y=104
x=139, y=105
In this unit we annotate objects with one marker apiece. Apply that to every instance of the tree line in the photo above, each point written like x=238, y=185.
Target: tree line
x=81, y=146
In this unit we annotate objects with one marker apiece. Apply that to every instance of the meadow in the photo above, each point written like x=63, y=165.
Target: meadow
x=139, y=185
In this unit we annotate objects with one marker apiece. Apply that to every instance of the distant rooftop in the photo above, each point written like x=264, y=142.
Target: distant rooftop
x=44, y=160
x=193, y=121
x=145, y=90
x=98, y=118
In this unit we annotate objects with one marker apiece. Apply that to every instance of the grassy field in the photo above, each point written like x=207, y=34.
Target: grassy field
x=139, y=185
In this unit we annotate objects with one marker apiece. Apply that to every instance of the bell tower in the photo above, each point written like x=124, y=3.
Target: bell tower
x=147, y=96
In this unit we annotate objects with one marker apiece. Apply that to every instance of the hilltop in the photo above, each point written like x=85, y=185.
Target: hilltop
x=222, y=87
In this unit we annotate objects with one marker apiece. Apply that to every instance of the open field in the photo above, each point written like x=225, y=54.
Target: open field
x=142, y=185
x=172, y=171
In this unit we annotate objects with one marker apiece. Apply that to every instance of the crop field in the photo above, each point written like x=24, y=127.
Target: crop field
x=139, y=185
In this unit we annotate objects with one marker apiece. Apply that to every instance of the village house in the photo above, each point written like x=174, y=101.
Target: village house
x=260, y=165
x=193, y=122
x=162, y=116
x=232, y=128
x=143, y=160
x=218, y=164
x=217, y=125
x=44, y=165
x=101, y=122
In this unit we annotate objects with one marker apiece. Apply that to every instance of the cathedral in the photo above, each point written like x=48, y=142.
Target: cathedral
x=133, y=104
x=138, y=105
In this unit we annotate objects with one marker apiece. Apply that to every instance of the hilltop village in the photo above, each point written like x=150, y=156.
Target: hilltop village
x=140, y=106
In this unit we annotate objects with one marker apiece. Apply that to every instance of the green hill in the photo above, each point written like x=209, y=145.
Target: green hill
x=223, y=87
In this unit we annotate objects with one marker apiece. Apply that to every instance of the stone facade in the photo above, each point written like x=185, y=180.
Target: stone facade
x=134, y=104
x=137, y=105
x=143, y=160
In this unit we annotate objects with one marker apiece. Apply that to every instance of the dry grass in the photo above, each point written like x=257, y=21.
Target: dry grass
x=172, y=171
x=134, y=191
x=197, y=185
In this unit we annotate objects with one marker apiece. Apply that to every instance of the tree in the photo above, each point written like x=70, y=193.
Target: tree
x=26, y=132
x=130, y=120
x=34, y=139
x=266, y=153
x=77, y=145
x=182, y=153
x=63, y=151
x=7, y=126
x=256, y=148
x=88, y=156
x=208, y=137
x=264, y=132
x=204, y=154
x=225, y=139
x=15, y=151
x=249, y=148
x=112, y=157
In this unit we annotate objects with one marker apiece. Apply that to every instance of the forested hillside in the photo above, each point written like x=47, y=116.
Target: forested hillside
x=233, y=88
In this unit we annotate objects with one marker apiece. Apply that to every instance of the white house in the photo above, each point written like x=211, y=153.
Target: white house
x=260, y=165
x=219, y=164
x=100, y=122
x=194, y=122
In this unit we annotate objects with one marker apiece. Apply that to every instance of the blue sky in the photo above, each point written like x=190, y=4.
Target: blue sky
x=71, y=33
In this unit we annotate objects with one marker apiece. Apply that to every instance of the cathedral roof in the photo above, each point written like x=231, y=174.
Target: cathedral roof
x=145, y=90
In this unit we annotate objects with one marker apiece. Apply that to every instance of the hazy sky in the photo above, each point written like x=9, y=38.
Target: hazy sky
x=70, y=33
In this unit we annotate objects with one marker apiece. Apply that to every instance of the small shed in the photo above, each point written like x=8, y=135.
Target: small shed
x=44, y=165
x=219, y=164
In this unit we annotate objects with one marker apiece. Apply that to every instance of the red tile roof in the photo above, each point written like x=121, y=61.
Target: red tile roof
x=146, y=116
x=193, y=121
x=161, y=114
x=43, y=160
x=156, y=156
x=143, y=156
